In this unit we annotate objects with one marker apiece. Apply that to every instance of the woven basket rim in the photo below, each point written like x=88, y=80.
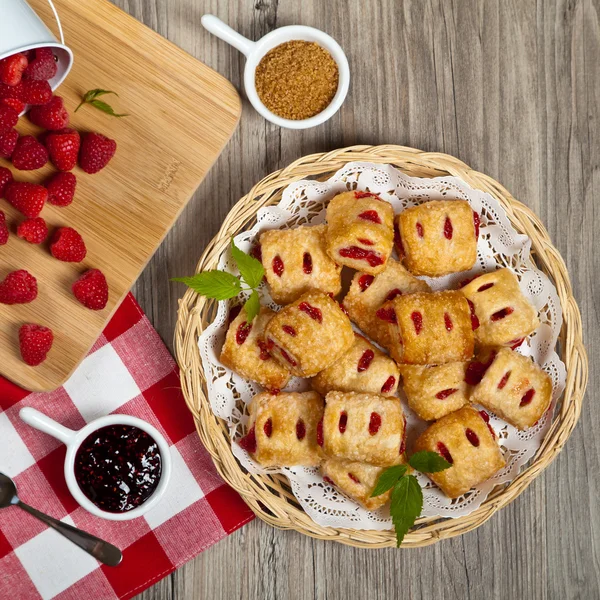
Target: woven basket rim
x=269, y=496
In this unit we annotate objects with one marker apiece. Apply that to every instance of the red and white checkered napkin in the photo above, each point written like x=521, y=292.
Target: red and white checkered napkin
x=128, y=371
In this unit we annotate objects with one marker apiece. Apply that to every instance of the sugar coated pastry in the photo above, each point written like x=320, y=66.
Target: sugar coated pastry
x=282, y=430
x=438, y=237
x=296, y=261
x=245, y=351
x=310, y=334
x=360, y=231
x=465, y=439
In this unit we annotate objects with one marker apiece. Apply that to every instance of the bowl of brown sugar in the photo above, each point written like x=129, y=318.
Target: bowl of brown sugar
x=296, y=76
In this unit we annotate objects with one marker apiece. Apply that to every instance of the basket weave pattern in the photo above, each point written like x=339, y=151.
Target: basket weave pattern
x=269, y=496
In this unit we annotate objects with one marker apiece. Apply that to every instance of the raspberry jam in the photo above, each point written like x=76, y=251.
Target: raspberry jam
x=355, y=253
x=370, y=215
x=118, y=467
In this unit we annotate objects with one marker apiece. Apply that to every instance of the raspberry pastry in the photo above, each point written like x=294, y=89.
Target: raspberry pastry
x=435, y=391
x=360, y=232
x=245, y=351
x=363, y=368
x=282, y=431
x=296, y=261
x=429, y=329
x=468, y=443
x=310, y=334
x=514, y=388
x=501, y=315
x=356, y=480
x=365, y=428
x=438, y=237
x=368, y=292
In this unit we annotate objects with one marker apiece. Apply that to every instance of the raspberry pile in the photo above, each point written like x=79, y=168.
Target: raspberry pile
x=24, y=82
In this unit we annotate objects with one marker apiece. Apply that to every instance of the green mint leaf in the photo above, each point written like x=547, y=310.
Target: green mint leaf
x=251, y=270
x=388, y=479
x=107, y=108
x=91, y=97
x=213, y=284
x=406, y=506
x=252, y=306
x=428, y=462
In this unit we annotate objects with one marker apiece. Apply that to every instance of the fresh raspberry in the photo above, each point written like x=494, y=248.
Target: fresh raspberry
x=91, y=290
x=28, y=198
x=61, y=189
x=6, y=177
x=52, y=116
x=63, y=147
x=19, y=287
x=36, y=93
x=11, y=69
x=8, y=141
x=8, y=117
x=67, y=245
x=15, y=103
x=29, y=154
x=3, y=229
x=42, y=67
x=35, y=342
x=34, y=231
x=96, y=152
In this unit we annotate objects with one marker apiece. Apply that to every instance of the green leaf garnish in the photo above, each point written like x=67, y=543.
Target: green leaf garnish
x=428, y=462
x=91, y=97
x=250, y=269
x=213, y=284
x=407, y=495
x=252, y=306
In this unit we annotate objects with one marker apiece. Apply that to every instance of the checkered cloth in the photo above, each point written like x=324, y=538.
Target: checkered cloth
x=128, y=371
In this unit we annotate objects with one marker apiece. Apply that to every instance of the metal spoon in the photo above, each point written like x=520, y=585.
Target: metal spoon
x=103, y=551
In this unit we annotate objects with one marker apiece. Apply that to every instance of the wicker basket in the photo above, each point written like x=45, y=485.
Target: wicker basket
x=270, y=496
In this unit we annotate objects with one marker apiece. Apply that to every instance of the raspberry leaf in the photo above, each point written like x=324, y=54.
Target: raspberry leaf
x=428, y=462
x=213, y=284
x=406, y=506
x=250, y=268
x=252, y=306
x=91, y=97
x=388, y=479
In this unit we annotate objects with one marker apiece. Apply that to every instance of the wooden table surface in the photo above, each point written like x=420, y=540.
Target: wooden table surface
x=511, y=87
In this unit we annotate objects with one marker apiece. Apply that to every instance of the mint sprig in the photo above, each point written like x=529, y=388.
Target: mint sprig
x=407, y=495
x=91, y=97
x=221, y=285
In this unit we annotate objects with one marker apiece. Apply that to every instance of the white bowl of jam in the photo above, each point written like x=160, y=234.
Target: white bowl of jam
x=117, y=467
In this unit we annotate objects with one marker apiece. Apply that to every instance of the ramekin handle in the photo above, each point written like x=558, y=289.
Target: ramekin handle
x=227, y=34
x=44, y=423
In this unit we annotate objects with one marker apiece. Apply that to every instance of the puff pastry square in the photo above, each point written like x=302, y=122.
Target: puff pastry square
x=356, y=480
x=502, y=316
x=438, y=237
x=282, y=430
x=368, y=292
x=310, y=334
x=363, y=368
x=429, y=329
x=435, y=391
x=364, y=428
x=245, y=351
x=514, y=388
x=464, y=439
x=296, y=261
x=360, y=231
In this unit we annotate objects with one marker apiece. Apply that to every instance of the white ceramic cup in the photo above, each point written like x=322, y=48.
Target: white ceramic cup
x=21, y=29
x=254, y=52
x=73, y=439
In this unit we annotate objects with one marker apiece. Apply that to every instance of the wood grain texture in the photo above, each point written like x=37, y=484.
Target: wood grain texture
x=176, y=104
x=512, y=89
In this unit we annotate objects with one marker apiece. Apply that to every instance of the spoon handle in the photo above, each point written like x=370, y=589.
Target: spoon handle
x=103, y=551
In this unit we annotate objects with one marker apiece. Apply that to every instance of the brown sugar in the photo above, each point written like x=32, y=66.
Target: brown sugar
x=297, y=80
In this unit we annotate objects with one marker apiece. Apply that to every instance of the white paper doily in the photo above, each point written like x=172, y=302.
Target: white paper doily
x=499, y=245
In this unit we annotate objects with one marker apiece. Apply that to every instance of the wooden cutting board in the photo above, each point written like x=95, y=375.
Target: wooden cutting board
x=182, y=114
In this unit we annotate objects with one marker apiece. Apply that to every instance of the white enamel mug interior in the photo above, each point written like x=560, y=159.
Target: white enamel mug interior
x=254, y=52
x=73, y=439
x=21, y=29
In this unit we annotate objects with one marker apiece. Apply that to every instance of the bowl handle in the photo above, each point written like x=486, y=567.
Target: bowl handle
x=227, y=34
x=44, y=423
